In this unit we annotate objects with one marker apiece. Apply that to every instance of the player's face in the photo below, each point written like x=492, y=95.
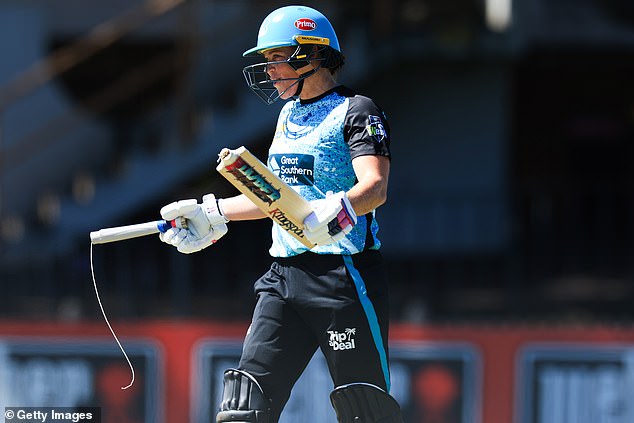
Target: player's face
x=283, y=73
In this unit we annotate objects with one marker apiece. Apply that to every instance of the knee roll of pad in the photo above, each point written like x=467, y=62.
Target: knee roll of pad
x=364, y=403
x=243, y=400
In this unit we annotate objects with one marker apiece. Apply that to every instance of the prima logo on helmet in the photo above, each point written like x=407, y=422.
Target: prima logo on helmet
x=305, y=24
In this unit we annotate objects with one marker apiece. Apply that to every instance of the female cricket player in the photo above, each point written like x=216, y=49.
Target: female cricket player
x=333, y=147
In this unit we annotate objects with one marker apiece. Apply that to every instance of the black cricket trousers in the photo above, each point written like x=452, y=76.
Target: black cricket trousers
x=337, y=303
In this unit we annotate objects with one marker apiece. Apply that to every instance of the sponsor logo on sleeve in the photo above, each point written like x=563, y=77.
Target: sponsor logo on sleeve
x=375, y=128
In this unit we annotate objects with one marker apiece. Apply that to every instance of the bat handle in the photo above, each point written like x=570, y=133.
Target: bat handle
x=133, y=231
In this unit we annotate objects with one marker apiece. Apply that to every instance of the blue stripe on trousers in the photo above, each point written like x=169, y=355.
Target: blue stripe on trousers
x=368, y=308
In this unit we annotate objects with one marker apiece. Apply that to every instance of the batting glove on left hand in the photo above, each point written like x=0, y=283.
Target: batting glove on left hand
x=331, y=220
x=205, y=224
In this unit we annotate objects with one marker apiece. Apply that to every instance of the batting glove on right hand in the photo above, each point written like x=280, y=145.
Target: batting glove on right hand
x=205, y=224
x=331, y=220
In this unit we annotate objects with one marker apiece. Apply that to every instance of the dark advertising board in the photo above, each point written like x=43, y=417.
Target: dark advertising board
x=74, y=373
x=575, y=383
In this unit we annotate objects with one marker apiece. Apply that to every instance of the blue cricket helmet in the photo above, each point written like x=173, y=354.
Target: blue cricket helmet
x=294, y=26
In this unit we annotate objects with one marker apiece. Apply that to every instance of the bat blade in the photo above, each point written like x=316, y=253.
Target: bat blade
x=266, y=190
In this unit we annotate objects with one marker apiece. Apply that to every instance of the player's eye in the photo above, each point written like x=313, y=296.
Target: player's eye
x=277, y=58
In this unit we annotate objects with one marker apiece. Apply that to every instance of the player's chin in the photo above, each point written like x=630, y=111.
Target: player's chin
x=284, y=90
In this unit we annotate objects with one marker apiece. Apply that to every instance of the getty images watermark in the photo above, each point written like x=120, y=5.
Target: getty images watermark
x=52, y=415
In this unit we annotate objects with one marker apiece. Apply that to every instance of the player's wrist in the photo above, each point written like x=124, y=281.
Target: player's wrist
x=213, y=211
x=219, y=202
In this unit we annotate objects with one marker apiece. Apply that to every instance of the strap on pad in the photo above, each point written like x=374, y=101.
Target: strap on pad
x=243, y=400
x=364, y=403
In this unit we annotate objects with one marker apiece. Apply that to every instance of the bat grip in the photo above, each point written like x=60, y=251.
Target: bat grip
x=164, y=225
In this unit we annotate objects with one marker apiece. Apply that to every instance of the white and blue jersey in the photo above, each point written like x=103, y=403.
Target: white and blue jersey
x=312, y=151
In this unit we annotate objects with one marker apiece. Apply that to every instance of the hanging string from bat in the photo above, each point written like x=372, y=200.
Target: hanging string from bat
x=103, y=312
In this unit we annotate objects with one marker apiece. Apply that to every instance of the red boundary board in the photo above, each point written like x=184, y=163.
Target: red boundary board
x=497, y=344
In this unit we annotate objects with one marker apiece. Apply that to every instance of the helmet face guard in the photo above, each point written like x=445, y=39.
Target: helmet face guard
x=263, y=86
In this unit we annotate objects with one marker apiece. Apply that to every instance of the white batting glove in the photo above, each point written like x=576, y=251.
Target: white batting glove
x=332, y=219
x=205, y=224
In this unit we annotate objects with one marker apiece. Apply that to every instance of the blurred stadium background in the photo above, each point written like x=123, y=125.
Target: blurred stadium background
x=511, y=203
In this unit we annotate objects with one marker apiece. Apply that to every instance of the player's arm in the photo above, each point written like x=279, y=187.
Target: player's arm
x=336, y=215
x=370, y=191
x=240, y=208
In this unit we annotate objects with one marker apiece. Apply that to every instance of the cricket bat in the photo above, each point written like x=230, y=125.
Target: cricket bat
x=266, y=190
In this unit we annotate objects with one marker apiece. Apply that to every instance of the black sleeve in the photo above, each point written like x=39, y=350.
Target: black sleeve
x=367, y=131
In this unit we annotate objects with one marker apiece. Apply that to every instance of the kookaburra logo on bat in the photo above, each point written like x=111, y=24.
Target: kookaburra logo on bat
x=280, y=217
